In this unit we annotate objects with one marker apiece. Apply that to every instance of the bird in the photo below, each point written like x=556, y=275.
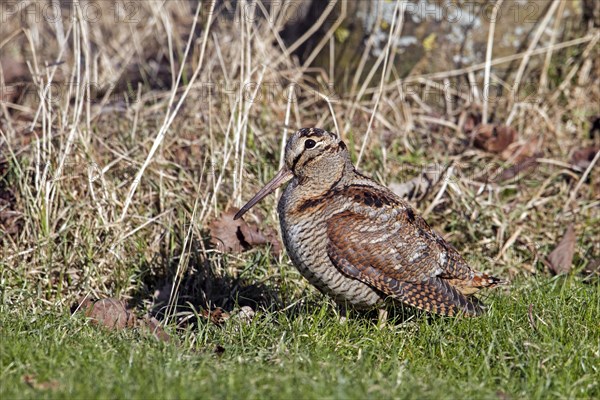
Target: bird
x=357, y=241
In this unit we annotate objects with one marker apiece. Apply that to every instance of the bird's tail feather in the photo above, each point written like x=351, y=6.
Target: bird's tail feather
x=436, y=295
x=478, y=282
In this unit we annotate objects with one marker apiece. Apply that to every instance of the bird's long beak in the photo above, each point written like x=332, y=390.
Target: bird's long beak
x=282, y=177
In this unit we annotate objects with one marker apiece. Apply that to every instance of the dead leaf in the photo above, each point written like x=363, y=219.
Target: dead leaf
x=560, y=261
x=582, y=158
x=493, y=138
x=216, y=316
x=472, y=120
x=518, y=151
x=33, y=382
x=254, y=237
x=109, y=313
x=153, y=325
x=530, y=315
x=225, y=233
x=229, y=235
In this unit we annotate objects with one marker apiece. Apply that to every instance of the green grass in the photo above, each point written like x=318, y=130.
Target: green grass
x=65, y=235
x=308, y=353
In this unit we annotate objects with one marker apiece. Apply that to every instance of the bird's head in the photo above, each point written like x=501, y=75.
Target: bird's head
x=312, y=153
x=314, y=156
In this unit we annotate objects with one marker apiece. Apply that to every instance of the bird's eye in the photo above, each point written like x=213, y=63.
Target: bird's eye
x=309, y=144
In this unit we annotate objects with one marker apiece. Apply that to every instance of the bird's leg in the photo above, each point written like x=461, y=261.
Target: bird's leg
x=382, y=315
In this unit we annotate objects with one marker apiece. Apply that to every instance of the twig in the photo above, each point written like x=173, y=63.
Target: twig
x=530, y=315
x=529, y=52
x=313, y=28
x=171, y=115
x=544, y=76
x=567, y=79
x=285, y=132
x=488, y=59
x=393, y=33
x=511, y=240
x=480, y=66
x=329, y=34
x=366, y=52
x=331, y=110
x=441, y=192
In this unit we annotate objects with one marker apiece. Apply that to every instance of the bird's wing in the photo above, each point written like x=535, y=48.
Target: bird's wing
x=381, y=241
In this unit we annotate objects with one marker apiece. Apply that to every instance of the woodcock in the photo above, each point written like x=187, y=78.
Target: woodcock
x=358, y=242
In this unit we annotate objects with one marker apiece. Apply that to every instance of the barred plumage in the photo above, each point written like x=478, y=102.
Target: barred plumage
x=357, y=241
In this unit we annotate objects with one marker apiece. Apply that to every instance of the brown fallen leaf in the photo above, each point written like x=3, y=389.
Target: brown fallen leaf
x=493, y=138
x=582, y=158
x=216, y=316
x=32, y=381
x=471, y=121
x=154, y=326
x=225, y=233
x=254, y=237
x=229, y=235
x=109, y=313
x=114, y=315
x=560, y=260
x=518, y=151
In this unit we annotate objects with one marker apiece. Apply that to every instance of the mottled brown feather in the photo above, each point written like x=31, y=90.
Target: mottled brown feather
x=398, y=253
x=358, y=242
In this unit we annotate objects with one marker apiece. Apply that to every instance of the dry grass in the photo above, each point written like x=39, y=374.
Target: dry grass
x=138, y=123
x=107, y=189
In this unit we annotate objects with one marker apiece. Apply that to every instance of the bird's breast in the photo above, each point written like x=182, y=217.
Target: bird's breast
x=304, y=232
